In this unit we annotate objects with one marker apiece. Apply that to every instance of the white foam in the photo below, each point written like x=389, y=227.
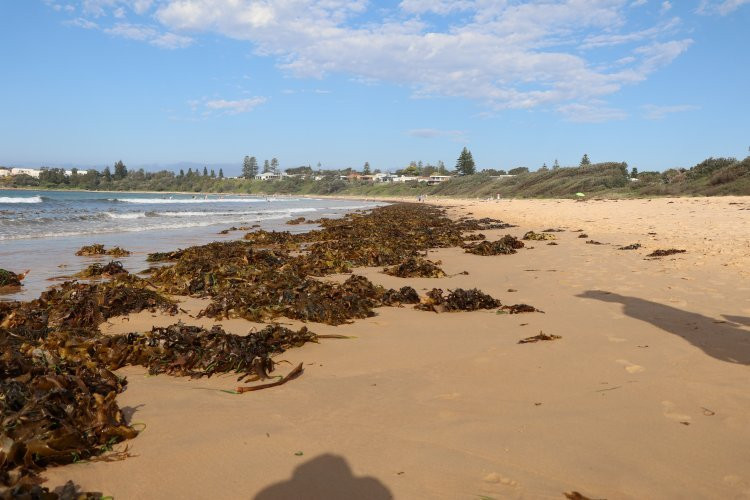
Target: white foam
x=157, y=201
x=135, y=215
x=15, y=199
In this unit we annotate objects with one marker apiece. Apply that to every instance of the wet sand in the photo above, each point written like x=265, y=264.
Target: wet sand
x=644, y=396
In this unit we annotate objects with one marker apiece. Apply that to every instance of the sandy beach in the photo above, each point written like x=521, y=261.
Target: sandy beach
x=643, y=396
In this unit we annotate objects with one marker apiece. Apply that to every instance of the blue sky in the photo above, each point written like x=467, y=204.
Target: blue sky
x=520, y=83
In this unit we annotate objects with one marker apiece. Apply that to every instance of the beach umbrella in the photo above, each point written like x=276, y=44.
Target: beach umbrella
x=580, y=195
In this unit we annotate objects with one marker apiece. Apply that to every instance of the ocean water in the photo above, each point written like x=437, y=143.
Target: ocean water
x=41, y=230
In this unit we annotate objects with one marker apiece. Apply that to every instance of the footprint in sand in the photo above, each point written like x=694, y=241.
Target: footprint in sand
x=670, y=411
x=631, y=367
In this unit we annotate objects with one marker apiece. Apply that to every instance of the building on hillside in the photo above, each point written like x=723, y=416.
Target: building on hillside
x=437, y=179
x=79, y=172
x=33, y=172
x=383, y=177
x=270, y=176
x=4, y=172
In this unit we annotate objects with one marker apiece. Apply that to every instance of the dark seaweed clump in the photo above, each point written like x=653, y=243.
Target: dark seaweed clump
x=416, y=267
x=632, y=246
x=271, y=274
x=98, y=249
x=57, y=388
x=95, y=270
x=294, y=222
x=531, y=235
x=457, y=300
x=664, y=253
x=9, y=278
x=504, y=246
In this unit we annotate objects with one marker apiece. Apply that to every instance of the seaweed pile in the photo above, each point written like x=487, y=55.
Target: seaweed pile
x=504, y=246
x=416, y=267
x=544, y=235
x=457, y=300
x=271, y=274
x=664, y=253
x=294, y=222
x=97, y=249
x=97, y=270
x=540, y=337
x=9, y=278
x=57, y=386
x=632, y=246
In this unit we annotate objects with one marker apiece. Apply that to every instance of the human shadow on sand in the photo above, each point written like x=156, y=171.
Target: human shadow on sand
x=326, y=477
x=716, y=338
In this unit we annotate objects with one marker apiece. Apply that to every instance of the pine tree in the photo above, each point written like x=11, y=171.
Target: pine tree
x=205, y=171
x=585, y=162
x=556, y=165
x=107, y=174
x=634, y=173
x=221, y=174
x=366, y=168
x=120, y=170
x=274, y=165
x=213, y=174
x=441, y=168
x=249, y=167
x=182, y=173
x=266, y=166
x=465, y=163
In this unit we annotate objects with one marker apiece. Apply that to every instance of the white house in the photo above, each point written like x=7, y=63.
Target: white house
x=270, y=176
x=80, y=172
x=383, y=177
x=437, y=179
x=28, y=171
x=4, y=172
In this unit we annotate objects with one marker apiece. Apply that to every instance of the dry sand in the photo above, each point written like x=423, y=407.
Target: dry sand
x=645, y=396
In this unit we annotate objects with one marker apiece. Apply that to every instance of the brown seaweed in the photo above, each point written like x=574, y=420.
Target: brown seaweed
x=519, y=308
x=543, y=236
x=537, y=338
x=457, y=300
x=9, y=278
x=294, y=222
x=98, y=249
x=110, y=269
x=505, y=246
x=632, y=246
x=664, y=253
x=416, y=267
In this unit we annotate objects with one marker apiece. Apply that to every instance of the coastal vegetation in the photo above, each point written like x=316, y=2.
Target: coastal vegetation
x=711, y=177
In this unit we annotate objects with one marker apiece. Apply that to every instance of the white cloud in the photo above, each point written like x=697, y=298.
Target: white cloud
x=230, y=107
x=595, y=112
x=653, y=112
x=171, y=41
x=503, y=53
x=722, y=7
x=666, y=6
x=441, y=7
x=148, y=34
x=609, y=39
x=432, y=133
